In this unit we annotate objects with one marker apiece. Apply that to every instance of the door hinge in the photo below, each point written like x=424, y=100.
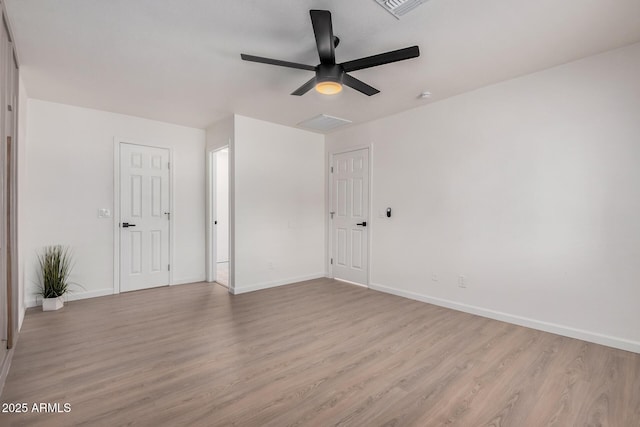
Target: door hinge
x=168, y=267
x=168, y=165
x=9, y=108
x=331, y=261
x=331, y=169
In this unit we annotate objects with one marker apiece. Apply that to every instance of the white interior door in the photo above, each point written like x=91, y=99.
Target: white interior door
x=221, y=215
x=222, y=206
x=350, y=212
x=144, y=217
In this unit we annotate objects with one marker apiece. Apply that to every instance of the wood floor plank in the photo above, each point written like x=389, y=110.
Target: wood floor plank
x=317, y=353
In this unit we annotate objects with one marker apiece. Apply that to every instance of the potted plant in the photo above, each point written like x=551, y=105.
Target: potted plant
x=55, y=267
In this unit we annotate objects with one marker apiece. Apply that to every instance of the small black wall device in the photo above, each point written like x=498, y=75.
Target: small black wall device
x=388, y=212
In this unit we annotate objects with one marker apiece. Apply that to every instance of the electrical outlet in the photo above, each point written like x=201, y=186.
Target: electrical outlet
x=434, y=277
x=462, y=281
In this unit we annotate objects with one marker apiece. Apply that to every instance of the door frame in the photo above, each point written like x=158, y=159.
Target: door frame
x=212, y=252
x=117, y=141
x=329, y=222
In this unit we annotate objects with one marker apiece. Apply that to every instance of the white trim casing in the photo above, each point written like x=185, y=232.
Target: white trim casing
x=232, y=217
x=116, y=215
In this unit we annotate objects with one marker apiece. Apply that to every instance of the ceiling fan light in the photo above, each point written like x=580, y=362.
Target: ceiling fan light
x=329, y=88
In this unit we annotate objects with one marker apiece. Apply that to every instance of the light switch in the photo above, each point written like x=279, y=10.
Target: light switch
x=104, y=213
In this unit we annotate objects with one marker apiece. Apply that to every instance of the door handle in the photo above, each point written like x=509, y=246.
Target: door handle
x=127, y=225
x=363, y=223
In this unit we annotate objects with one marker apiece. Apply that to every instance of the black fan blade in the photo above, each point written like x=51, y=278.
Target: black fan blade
x=321, y=21
x=277, y=62
x=305, y=87
x=382, y=58
x=358, y=85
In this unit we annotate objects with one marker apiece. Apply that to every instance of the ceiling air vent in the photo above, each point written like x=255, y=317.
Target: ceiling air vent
x=399, y=7
x=323, y=123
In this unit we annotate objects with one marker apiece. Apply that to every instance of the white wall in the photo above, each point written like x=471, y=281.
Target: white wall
x=70, y=156
x=222, y=205
x=279, y=204
x=220, y=134
x=529, y=188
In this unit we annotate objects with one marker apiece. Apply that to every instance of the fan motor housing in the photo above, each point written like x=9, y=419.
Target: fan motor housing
x=329, y=73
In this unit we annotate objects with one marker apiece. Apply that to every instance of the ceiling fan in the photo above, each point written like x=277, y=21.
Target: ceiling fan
x=330, y=76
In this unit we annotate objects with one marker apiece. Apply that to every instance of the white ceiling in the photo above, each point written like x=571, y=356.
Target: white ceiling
x=179, y=61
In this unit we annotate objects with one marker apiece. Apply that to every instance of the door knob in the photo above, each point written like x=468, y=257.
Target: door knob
x=363, y=223
x=127, y=225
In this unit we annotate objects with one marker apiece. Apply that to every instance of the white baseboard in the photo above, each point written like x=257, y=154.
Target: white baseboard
x=567, y=331
x=72, y=296
x=272, y=284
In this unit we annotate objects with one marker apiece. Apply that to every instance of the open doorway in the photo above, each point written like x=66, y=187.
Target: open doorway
x=219, y=208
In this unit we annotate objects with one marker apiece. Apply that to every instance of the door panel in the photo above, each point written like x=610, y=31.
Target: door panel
x=341, y=242
x=156, y=196
x=350, y=204
x=357, y=207
x=356, y=249
x=144, y=200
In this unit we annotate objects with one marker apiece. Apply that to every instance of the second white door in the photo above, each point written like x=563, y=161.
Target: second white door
x=144, y=216
x=350, y=212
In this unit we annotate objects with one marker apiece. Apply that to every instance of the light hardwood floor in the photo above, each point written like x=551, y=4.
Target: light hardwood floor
x=318, y=353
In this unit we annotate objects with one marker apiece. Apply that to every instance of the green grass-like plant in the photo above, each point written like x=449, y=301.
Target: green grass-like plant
x=55, y=267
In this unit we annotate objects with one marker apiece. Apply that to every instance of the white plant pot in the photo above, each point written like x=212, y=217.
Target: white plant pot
x=52, y=304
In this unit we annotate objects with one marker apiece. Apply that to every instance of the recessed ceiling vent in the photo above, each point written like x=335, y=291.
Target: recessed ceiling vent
x=323, y=123
x=399, y=7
